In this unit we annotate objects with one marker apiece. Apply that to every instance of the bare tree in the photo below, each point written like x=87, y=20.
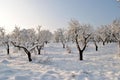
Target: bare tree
x=81, y=34
x=5, y=39
x=104, y=33
x=39, y=40
x=25, y=49
x=115, y=27
x=60, y=36
x=95, y=39
x=43, y=36
x=2, y=35
x=16, y=35
x=7, y=43
x=56, y=36
x=24, y=40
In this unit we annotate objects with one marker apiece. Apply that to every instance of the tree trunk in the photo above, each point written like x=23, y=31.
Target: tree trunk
x=79, y=49
x=63, y=45
x=39, y=49
x=26, y=51
x=8, y=52
x=81, y=55
x=8, y=48
x=103, y=43
x=46, y=42
x=78, y=46
x=96, y=47
x=29, y=56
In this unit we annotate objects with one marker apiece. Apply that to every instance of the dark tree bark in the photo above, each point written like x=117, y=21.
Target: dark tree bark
x=63, y=45
x=96, y=47
x=103, y=42
x=79, y=49
x=39, y=49
x=8, y=48
x=81, y=55
x=84, y=45
x=46, y=42
x=25, y=49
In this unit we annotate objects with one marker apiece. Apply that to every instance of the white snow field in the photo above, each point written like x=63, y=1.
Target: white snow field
x=56, y=64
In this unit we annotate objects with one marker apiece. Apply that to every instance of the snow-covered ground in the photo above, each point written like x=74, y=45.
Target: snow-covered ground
x=56, y=64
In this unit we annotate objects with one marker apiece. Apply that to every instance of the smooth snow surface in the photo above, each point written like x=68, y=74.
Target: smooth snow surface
x=55, y=63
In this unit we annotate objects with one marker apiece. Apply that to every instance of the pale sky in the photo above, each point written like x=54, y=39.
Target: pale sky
x=53, y=14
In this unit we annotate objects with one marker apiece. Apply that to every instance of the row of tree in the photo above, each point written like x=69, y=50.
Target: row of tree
x=81, y=34
x=26, y=39
x=34, y=39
